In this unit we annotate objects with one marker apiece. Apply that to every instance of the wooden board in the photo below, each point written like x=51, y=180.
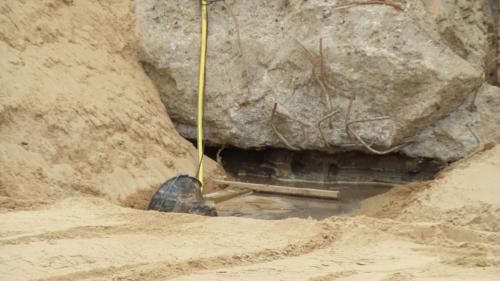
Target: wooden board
x=285, y=190
x=226, y=194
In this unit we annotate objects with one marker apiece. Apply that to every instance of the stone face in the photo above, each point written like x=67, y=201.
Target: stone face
x=462, y=131
x=413, y=67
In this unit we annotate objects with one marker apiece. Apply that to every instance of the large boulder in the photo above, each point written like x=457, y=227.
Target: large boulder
x=406, y=65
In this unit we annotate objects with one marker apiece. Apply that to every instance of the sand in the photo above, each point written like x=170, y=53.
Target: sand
x=78, y=115
x=84, y=136
x=85, y=238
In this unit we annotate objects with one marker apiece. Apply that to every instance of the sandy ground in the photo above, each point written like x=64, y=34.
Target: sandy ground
x=447, y=229
x=83, y=136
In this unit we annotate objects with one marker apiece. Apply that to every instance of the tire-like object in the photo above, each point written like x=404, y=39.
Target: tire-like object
x=181, y=194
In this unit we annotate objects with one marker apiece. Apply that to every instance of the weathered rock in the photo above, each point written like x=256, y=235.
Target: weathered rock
x=463, y=26
x=414, y=66
x=462, y=131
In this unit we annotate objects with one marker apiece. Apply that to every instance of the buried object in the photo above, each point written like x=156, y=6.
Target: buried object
x=181, y=194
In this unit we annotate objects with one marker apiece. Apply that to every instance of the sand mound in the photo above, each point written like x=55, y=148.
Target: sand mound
x=466, y=195
x=77, y=113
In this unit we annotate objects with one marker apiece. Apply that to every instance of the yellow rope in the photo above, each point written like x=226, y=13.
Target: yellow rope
x=201, y=87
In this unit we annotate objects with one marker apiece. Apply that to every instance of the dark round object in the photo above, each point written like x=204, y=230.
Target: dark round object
x=181, y=194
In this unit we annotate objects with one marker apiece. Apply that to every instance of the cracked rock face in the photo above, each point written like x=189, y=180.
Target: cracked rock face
x=464, y=130
x=415, y=68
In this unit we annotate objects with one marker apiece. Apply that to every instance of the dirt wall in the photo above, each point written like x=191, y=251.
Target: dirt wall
x=77, y=113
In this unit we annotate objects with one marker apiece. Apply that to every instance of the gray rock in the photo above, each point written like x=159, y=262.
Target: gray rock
x=462, y=131
x=414, y=67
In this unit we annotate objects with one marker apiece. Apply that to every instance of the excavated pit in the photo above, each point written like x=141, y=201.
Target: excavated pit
x=355, y=175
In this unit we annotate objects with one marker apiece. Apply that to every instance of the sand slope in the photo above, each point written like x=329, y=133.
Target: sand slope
x=77, y=113
x=466, y=195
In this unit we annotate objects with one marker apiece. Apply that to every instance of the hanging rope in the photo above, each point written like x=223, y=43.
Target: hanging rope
x=201, y=88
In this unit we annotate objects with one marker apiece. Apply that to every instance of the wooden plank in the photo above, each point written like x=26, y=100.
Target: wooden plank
x=343, y=183
x=285, y=190
x=226, y=194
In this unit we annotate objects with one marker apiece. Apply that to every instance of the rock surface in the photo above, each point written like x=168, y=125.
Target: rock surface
x=413, y=67
x=78, y=116
x=470, y=127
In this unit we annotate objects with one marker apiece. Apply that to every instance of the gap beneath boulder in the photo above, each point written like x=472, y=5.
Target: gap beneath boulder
x=355, y=175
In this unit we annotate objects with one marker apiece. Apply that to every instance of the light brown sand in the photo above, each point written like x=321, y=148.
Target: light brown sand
x=82, y=131
x=90, y=239
x=78, y=115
